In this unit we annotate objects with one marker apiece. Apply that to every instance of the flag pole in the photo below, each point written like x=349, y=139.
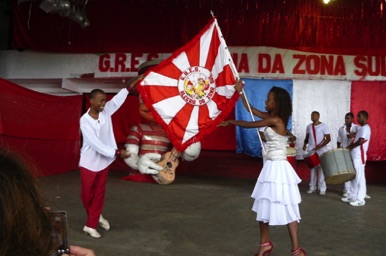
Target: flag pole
x=233, y=67
x=253, y=118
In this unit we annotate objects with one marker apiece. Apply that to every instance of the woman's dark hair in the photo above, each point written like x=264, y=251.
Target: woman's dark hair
x=25, y=227
x=283, y=103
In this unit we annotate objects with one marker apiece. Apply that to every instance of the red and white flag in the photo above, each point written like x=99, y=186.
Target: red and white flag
x=192, y=91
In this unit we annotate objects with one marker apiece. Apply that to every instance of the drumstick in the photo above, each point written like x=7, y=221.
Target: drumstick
x=320, y=143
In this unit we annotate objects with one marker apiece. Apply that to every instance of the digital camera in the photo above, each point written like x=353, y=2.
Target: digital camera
x=59, y=223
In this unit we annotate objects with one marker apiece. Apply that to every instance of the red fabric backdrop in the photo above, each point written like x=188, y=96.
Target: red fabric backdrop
x=371, y=97
x=41, y=127
x=341, y=27
x=45, y=128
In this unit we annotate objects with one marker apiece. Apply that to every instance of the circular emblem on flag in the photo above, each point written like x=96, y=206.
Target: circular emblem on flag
x=196, y=85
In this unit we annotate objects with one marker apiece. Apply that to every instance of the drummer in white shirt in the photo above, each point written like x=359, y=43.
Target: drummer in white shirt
x=357, y=192
x=317, y=139
x=346, y=135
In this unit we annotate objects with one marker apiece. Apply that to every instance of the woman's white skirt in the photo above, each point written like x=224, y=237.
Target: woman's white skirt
x=276, y=194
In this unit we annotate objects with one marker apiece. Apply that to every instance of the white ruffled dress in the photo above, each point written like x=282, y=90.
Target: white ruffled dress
x=276, y=192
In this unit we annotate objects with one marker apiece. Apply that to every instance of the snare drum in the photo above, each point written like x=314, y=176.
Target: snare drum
x=337, y=166
x=312, y=159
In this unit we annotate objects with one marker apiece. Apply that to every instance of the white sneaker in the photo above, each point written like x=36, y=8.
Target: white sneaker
x=103, y=223
x=347, y=200
x=358, y=203
x=311, y=191
x=91, y=232
x=322, y=193
x=367, y=197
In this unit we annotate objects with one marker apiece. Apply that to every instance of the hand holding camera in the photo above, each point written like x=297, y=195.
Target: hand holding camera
x=59, y=224
x=79, y=251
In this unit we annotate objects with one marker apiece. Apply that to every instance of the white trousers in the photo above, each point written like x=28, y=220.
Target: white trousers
x=317, y=179
x=358, y=188
x=346, y=187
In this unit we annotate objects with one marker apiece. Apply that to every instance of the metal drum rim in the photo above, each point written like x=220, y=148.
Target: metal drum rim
x=332, y=150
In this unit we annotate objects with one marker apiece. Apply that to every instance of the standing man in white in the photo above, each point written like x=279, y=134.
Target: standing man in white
x=346, y=135
x=98, y=151
x=357, y=192
x=317, y=139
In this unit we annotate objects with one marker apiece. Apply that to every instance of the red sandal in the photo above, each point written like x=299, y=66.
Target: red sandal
x=268, y=252
x=297, y=251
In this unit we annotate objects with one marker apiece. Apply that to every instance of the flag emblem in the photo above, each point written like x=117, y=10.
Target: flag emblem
x=192, y=91
x=196, y=86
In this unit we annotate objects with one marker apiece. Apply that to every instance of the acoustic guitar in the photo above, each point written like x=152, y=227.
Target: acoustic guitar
x=169, y=162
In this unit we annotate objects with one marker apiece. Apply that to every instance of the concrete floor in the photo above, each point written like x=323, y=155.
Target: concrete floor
x=197, y=216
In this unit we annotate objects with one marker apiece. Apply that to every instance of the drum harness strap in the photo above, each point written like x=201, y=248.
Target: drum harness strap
x=314, y=133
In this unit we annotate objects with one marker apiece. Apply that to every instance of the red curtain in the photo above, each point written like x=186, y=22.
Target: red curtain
x=371, y=97
x=41, y=127
x=137, y=26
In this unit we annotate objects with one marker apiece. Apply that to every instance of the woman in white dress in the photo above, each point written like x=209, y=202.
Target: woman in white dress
x=276, y=192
